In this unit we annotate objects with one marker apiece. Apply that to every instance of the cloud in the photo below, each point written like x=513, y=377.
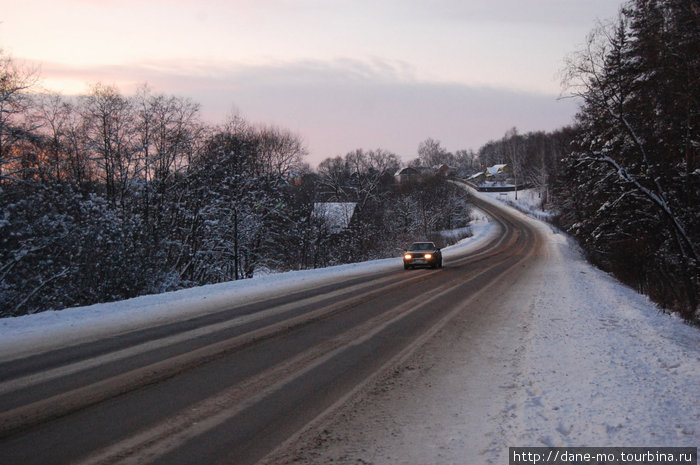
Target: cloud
x=340, y=105
x=344, y=105
x=559, y=12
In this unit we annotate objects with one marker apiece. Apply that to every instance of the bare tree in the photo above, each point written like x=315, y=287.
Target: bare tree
x=15, y=82
x=109, y=125
x=334, y=176
x=431, y=153
x=167, y=131
x=280, y=151
x=467, y=160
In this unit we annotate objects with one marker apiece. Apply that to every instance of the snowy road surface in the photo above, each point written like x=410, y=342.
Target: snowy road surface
x=576, y=359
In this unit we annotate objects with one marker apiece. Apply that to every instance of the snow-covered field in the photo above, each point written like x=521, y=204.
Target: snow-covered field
x=579, y=360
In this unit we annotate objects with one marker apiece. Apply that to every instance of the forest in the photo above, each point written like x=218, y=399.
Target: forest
x=630, y=190
x=106, y=196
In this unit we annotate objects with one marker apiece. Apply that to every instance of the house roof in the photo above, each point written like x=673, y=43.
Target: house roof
x=495, y=169
x=406, y=170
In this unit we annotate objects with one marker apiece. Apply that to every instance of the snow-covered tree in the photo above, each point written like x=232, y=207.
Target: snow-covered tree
x=61, y=248
x=632, y=185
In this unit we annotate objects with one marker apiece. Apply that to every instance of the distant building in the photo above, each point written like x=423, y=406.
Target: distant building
x=496, y=178
x=445, y=170
x=478, y=178
x=493, y=174
x=496, y=172
x=406, y=174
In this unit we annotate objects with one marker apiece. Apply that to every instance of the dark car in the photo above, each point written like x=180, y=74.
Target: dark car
x=422, y=254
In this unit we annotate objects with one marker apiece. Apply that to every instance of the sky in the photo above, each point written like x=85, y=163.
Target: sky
x=341, y=74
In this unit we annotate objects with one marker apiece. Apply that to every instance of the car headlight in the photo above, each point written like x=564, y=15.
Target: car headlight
x=407, y=256
x=428, y=256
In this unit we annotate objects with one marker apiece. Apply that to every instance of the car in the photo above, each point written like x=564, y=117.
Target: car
x=422, y=254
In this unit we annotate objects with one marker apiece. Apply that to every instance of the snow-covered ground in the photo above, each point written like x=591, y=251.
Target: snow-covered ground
x=579, y=360
x=528, y=201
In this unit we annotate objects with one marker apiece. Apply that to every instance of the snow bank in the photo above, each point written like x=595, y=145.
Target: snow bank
x=604, y=366
x=528, y=201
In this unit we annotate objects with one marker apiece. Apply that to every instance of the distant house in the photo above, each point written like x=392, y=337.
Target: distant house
x=445, y=170
x=477, y=178
x=406, y=174
x=500, y=174
x=337, y=215
x=498, y=171
x=495, y=178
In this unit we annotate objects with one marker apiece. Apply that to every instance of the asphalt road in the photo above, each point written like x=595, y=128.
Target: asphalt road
x=232, y=386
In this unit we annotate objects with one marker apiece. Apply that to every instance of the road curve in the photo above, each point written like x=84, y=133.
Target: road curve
x=232, y=386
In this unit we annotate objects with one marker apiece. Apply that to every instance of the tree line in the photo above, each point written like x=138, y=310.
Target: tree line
x=624, y=179
x=105, y=197
x=631, y=190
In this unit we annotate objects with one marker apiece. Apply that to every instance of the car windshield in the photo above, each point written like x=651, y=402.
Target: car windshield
x=422, y=246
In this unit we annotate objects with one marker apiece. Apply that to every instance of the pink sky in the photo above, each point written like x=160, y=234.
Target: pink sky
x=342, y=74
